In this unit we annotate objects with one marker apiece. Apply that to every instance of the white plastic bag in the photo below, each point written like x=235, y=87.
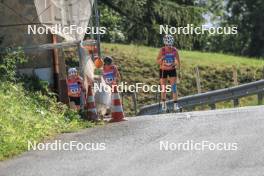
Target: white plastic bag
x=59, y=14
x=102, y=97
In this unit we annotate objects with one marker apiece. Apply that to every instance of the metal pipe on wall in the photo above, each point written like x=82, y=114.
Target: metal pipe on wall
x=55, y=64
x=97, y=23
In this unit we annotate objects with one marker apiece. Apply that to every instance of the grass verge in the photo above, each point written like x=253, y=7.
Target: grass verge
x=31, y=116
x=138, y=64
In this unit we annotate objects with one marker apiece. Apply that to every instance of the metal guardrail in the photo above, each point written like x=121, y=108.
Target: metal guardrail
x=210, y=98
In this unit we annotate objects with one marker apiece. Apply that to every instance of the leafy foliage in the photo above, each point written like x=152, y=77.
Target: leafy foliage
x=139, y=20
x=31, y=116
x=8, y=64
x=114, y=22
x=29, y=111
x=248, y=16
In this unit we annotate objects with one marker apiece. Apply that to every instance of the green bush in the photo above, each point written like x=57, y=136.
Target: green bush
x=27, y=116
x=8, y=64
x=29, y=110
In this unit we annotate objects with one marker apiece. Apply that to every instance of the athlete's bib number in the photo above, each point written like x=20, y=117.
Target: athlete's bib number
x=74, y=88
x=109, y=77
x=169, y=59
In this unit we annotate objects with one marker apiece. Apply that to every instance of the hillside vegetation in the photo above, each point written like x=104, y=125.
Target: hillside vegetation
x=27, y=116
x=29, y=111
x=137, y=64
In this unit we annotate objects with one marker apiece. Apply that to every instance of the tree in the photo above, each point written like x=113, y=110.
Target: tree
x=248, y=16
x=141, y=19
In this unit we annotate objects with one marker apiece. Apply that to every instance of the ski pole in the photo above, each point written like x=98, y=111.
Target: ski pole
x=162, y=74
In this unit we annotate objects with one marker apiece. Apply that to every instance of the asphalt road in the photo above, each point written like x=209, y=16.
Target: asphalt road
x=132, y=148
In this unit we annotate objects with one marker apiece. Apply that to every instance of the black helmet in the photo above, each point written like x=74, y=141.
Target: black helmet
x=108, y=60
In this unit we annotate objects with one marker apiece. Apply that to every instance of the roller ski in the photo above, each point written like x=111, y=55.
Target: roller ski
x=177, y=108
x=164, y=109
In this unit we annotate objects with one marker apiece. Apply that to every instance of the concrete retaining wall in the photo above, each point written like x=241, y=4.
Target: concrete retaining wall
x=23, y=12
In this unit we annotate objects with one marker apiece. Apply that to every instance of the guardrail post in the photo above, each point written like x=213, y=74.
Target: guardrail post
x=134, y=97
x=236, y=102
x=260, y=98
x=235, y=79
x=198, y=80
x=212, y=106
